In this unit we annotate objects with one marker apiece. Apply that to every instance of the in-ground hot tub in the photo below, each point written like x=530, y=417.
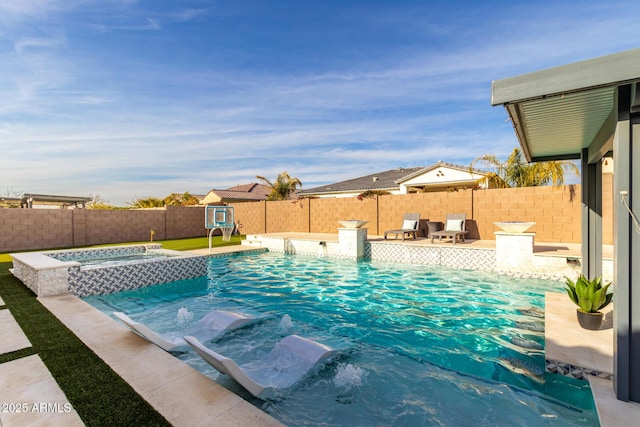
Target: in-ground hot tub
x=85, y=272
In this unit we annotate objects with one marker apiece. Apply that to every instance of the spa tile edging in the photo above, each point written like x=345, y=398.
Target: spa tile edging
x=68, y=255
x=573, y=371
x=462, y=258
x=100, y=281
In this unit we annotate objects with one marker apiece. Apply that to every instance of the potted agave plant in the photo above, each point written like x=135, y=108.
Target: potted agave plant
x=590, y=297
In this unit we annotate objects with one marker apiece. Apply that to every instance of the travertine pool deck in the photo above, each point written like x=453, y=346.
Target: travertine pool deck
x=28, y=383
x=11, y=336
x=28, y=393
x=186, y=397
x=567, y=342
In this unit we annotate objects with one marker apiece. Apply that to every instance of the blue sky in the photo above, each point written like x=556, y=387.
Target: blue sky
x=126, y=98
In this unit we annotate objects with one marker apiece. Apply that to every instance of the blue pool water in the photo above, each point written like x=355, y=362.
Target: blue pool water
x=419, y=345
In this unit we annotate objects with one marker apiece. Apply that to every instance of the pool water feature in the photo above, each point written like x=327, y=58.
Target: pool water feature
x=418, y=345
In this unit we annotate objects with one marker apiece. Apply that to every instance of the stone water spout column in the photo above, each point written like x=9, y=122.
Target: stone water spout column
x=514, y=251
x=351, y=242
x=514, y=247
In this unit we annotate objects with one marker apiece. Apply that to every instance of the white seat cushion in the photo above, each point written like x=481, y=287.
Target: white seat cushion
x=454, y=225
x=408, y=224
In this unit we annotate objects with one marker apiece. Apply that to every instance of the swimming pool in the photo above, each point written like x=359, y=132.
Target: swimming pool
x=418, y=345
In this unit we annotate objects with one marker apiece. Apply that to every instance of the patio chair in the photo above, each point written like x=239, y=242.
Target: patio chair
x=287, y=363
x=213, y=325
x=410, y=222
x=454, y=228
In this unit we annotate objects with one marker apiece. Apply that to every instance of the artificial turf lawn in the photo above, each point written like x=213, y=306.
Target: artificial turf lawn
x=97, y=393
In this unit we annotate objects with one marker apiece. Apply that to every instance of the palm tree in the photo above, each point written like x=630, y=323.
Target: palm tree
x=284, y=187
x=149, y=202
x=516, y=172
x=176, y=199
x=97, y=202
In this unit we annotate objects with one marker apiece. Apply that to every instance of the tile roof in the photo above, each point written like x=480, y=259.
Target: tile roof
x=376, y=181
x=252, y=188
x=248, y=192
x=387, y=180
x=238, y=195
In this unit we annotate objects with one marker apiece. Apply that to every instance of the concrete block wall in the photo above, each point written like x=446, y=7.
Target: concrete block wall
x=114, y=226
x=556, y=211
x=26, y=229
x=79, y=226
x=287, y=215
x=325, y=213
x=185, y=221
x=251, y=216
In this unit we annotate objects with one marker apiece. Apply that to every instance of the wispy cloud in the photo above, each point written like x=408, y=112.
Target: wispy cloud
x=189, y=14
x=23, y=45
x=26, y=8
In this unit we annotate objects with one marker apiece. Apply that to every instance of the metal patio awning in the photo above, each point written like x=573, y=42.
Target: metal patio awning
x=585, y=110
x=558, y=112
x=28, y=199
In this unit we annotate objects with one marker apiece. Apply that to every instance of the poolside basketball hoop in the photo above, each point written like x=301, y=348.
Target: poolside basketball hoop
x=226, y=232
x=219, y=217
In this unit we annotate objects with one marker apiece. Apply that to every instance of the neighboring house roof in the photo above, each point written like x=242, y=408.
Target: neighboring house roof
x=376, y=181
x=416, y=178
x=238, y=193
x=252, y=188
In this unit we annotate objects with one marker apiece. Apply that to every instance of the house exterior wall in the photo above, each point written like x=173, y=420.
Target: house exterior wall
x=443, y=176
x=211, y=197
